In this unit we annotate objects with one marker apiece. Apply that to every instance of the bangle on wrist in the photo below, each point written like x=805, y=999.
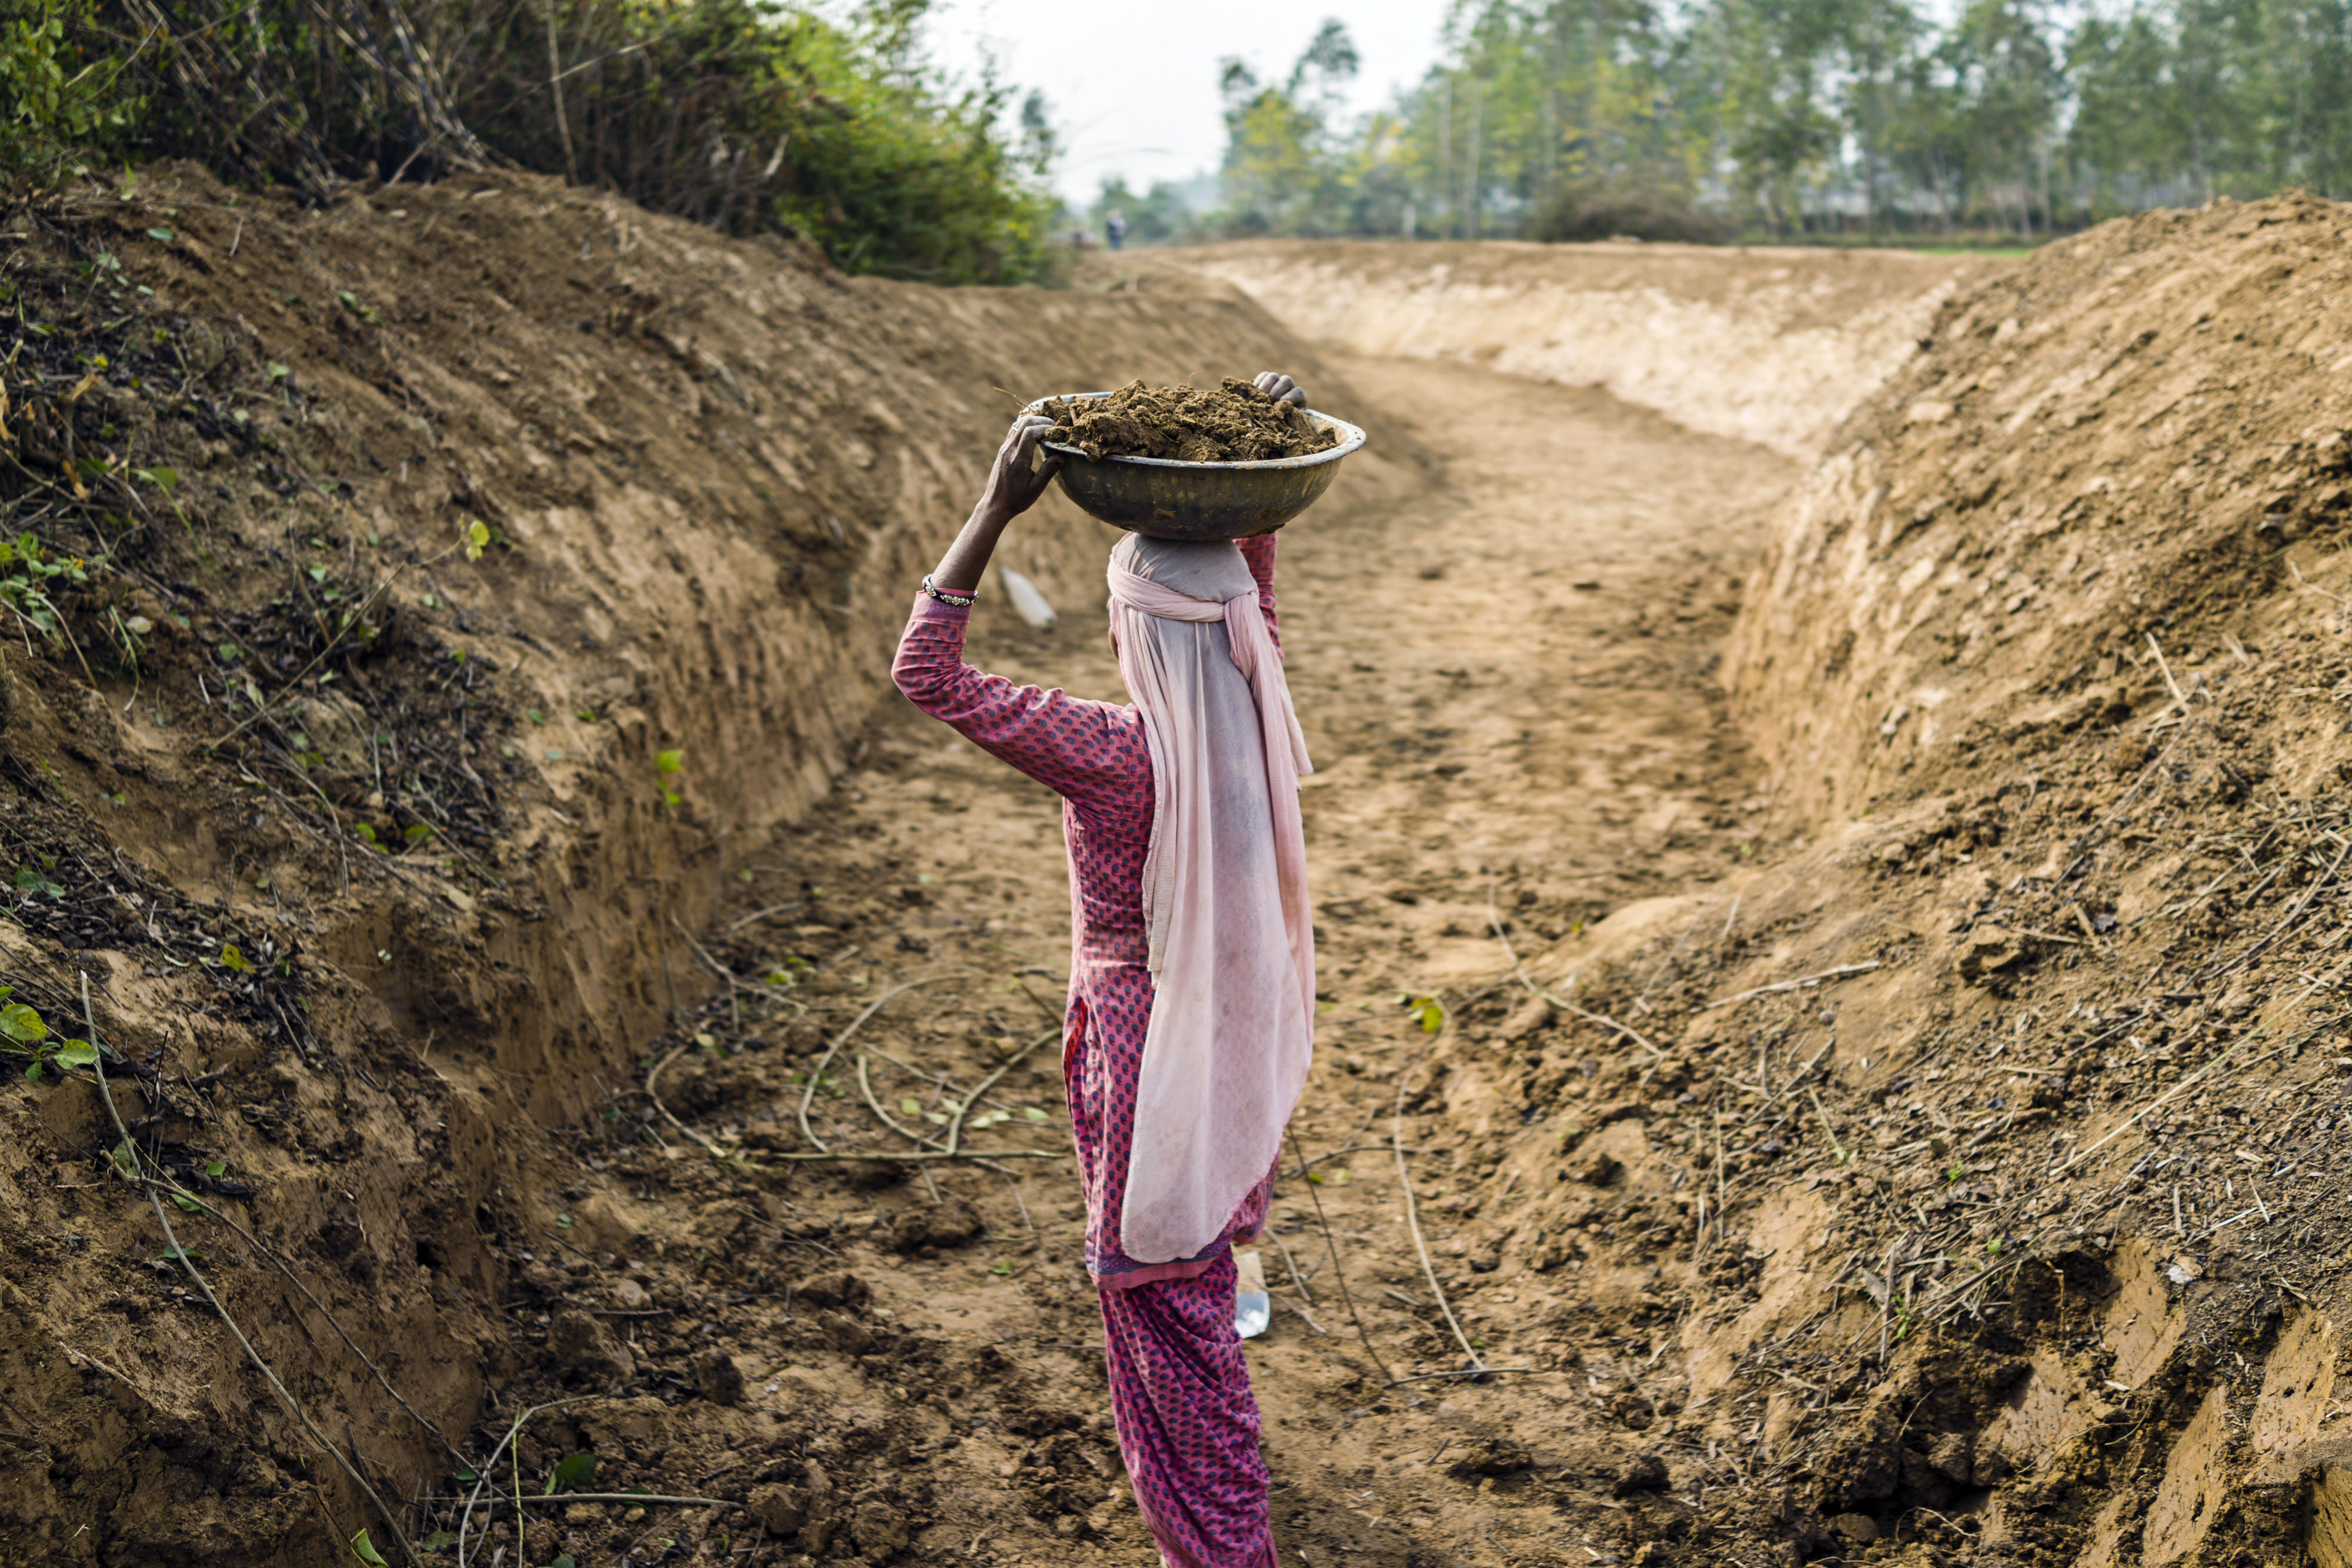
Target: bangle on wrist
x=952, y=601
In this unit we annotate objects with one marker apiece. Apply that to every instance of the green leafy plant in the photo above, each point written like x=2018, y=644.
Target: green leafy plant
x=28, y=571
x=668, y=765
x=365, y=1550
x=1425, y=1009
x=23, y=1033
x=570, y=1474
x=53, y=106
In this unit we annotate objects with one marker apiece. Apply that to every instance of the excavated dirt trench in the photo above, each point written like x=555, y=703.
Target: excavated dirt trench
x=1876, y=1095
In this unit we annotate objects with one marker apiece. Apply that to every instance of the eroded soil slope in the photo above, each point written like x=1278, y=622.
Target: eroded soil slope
x=376, y=854
x=2006, y=1104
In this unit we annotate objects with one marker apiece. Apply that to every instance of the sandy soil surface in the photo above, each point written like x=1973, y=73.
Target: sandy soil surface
x=1507, y=686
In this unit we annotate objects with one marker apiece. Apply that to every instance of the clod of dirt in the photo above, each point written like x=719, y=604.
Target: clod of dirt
x=1644, y=1472
x=846, y=1336
x=1989, y=950
x=1595, y=1168
x=1492, y=1454
x=1235, y=423
x=953, y=1222
x=878, y=1527
x=581, y=1343
x=783, y=1509
x=718, y=1379
x=1858, y=1528
x=841, y=1288
x=1953, y=1458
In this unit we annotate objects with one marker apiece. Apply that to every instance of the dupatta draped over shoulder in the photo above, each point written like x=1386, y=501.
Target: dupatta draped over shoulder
x=1230, y=942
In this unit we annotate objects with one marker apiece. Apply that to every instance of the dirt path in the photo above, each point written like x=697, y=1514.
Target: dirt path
x=1508, y=690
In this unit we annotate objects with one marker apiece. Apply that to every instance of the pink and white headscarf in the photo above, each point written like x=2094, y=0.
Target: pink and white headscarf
x=1231, y=938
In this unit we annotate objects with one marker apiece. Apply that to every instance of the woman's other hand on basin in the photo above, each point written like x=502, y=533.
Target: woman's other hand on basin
x=1280, y=387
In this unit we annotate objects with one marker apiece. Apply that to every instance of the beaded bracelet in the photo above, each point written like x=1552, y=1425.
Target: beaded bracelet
x=952, y=601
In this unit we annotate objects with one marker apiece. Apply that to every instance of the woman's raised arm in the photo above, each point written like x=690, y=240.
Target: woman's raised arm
x=1014, y=482
x=1088, y=752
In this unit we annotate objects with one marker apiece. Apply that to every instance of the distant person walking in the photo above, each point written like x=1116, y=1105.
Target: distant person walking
x=1115, y=230
x=1191, y=1009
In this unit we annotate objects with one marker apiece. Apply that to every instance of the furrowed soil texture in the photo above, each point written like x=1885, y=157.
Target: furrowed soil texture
x=1234, y=424
x=1831, y=972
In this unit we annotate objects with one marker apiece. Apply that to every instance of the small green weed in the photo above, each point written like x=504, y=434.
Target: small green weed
x=23, y=1033
x=570, y=1474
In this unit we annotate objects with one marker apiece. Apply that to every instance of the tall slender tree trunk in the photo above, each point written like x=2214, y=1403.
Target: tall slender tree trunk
x=1444, y=213
x=1470, y=192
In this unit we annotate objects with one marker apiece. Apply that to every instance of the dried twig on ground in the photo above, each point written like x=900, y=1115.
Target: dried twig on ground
x=654, y=1076
x=1337, y=1273
x=963, y=1109
x=1800, y=983
x=1518, y=972
x=764, y=914
x=821, y=1155
x=489, y=1467
x=1413, y=1214
x=816, y=1073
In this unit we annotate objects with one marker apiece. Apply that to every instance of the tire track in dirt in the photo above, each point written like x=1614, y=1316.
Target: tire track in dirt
x=1512, y=680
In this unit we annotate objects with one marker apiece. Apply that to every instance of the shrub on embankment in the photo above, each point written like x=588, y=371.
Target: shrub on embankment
x=744, y=117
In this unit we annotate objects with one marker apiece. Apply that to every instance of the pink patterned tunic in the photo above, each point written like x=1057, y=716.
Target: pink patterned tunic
x=1180, y=1390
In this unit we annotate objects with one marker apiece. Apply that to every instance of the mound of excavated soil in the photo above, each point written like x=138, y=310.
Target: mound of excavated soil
x=381, y=860
x=1234, y=424
x=2122, y=448
x=1771, y=345
x=1992, y=1139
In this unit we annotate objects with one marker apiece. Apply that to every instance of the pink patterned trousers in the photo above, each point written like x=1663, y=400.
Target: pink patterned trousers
x=1187, y=1424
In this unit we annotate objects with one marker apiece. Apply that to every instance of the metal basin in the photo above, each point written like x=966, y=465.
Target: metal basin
x=1165, y=499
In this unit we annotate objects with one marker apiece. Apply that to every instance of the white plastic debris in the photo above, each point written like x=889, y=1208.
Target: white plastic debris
x=1027, y=603
x=1252, y=1308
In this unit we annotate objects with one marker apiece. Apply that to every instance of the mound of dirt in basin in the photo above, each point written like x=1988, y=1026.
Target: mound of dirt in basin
x=1234, y=424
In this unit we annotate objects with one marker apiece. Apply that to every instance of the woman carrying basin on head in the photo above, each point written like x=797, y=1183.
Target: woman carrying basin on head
x=1192, y=972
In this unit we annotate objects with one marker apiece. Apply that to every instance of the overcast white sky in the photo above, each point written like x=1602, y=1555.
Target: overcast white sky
x=1134, y=82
